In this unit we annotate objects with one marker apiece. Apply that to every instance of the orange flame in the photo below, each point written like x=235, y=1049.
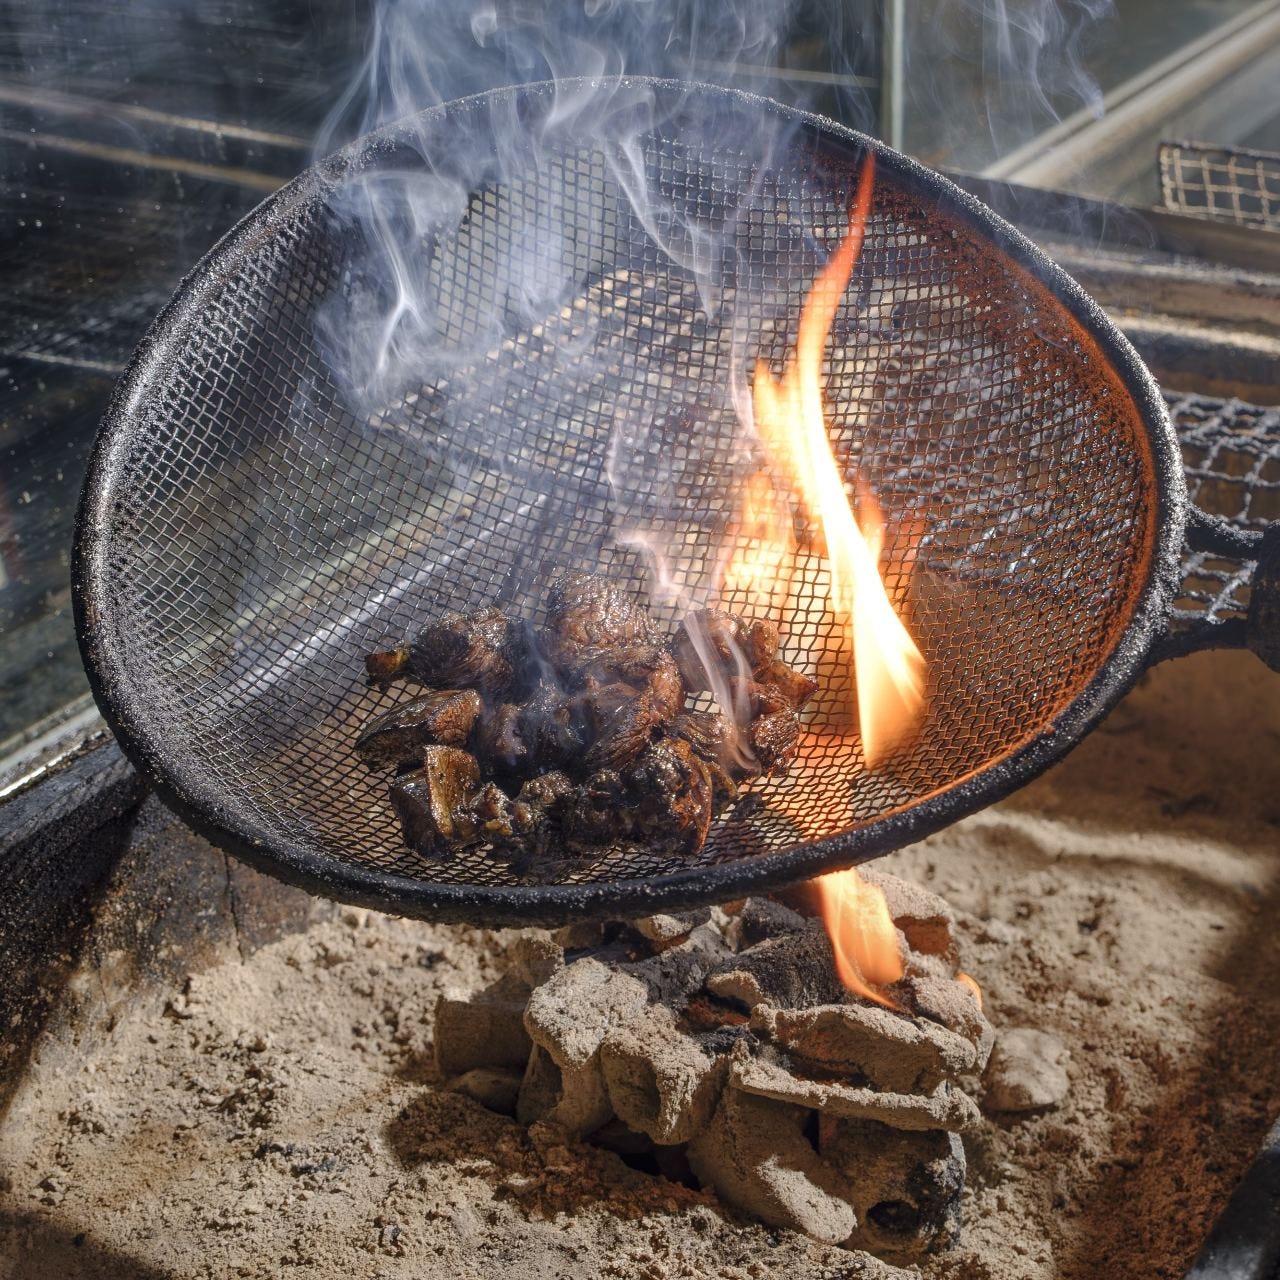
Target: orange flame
x=863, y=937
x=765, y=560
x=791, y=423
x=971, y=986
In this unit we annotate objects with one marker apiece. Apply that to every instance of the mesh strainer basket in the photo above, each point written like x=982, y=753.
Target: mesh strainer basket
x=263, y=508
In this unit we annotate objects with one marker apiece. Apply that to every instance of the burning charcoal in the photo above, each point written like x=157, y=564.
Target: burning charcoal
x=794, y=971
x=905, y=1055
x=722, y=636
x=671, y=797
x=905, y=1187
x=758, y=1157
x=932, y=991
x=1025, y=1071
x=663, y=931
x=482, y=1030
x=396, y=737
x=775, y=739
x=659, y=1080
x=535, y=957
x=761, y=918
x=926, y=921
x=386, y=665
x=485, y=650
x=568, y=1017
x=769, y=1075
x=432, y=802
x=586, y=612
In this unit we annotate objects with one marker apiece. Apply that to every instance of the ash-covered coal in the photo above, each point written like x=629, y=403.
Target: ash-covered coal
x=561, y=743
x=719, y=1045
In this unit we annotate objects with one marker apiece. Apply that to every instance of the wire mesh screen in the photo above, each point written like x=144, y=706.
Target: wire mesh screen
x=568, y=404
x=1233, y=184
x=1231, y=455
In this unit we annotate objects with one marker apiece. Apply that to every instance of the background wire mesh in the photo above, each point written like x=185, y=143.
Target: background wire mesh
x=269, y=527
x=1232, y=184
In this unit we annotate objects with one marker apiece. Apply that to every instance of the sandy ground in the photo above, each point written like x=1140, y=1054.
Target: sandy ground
x=1127, y=901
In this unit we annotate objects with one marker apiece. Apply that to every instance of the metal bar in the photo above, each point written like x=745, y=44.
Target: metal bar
x=1244, y=1243
x=893, y=80
x=1144, y=101
x=74, y=104
x=1108, y=223
x=797, y=75
x=250, y=178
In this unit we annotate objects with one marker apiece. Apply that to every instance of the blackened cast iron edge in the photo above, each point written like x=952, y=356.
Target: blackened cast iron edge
x=106, y=656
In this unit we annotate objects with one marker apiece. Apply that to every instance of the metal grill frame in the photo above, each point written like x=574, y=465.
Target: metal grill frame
x=106, y=657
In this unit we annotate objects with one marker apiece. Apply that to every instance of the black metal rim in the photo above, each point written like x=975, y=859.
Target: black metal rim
x=104, y=648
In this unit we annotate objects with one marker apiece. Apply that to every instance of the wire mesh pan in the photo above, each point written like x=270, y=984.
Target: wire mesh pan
x=268, y=502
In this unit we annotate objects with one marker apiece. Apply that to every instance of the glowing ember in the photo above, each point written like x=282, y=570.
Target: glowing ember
x=791, y=425
x=863, y=937
x=971, y=986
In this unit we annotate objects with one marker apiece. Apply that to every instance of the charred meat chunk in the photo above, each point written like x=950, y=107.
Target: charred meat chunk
x=433, y=803
x=796, y=687
x=484, y=650
x=625, y=721
x=588, y=612
x=597, y=814
x=438, y=718
x=578, y=740
x=761, y=645
x=716, y=741
x=552, y=727
x=498, y=738
x=535, y=818
x=775, y=739
x=671, y=797
x=387, y=665
x=709, y=636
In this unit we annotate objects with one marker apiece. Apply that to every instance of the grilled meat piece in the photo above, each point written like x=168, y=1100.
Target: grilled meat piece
x=722, y=636
x=434, y=803
x=761, y=645
x=484, y=650
x=585, y=612
x=775, y=738
x=715, y=740
x=498, y=740
x=796, y=687
x=387, y=665
x=396, y=737
x=671, y=796
x=625, y=720
x=537, y=817
x=552, y=726
x=597, y=814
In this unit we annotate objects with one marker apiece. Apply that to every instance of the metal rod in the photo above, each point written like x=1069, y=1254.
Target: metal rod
x=893, y=80
x=1142, y=103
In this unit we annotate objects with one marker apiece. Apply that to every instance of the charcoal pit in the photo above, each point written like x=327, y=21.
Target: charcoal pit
x=719, y=1048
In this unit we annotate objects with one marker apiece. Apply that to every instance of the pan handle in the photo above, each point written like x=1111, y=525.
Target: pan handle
x=1229, y=597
